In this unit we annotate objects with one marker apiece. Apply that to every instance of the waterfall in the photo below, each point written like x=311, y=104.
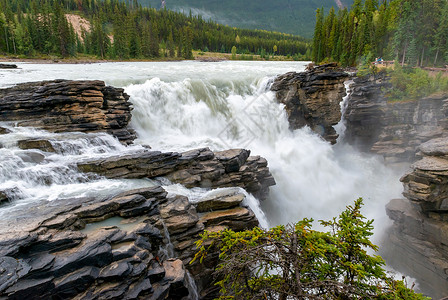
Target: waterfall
x=314, y=179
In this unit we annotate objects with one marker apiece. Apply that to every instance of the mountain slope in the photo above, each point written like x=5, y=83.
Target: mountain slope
x=289, y=16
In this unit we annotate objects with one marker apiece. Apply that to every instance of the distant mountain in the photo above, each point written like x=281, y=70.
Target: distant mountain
x=289, y=16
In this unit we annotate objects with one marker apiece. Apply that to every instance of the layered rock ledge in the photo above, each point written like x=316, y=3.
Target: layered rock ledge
x=421, y=221
x=195, y=168
x=313, y=98
x=134, y=245
x=393, y=129
x=69, y=106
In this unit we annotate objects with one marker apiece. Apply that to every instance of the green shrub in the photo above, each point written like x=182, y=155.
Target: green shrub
x=414, y=83
x=297, y=262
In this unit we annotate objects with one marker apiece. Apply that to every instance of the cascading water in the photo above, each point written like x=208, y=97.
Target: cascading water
x=32, y=176
x=314, y=179
x=184, y=105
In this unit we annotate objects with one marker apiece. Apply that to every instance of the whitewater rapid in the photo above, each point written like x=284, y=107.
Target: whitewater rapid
x=184, y=105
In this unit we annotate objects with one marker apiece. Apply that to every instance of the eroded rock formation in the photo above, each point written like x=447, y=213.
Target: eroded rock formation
x=195, y=168
x=68, y=106
x=313, y=98
x=393, y=129
x=407, y=132
x=65, y=252
x=421, y=221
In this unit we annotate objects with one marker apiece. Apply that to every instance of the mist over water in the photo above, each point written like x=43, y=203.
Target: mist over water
x=184, y=105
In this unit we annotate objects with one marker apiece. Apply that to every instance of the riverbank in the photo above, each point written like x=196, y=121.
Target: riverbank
x=198, y=55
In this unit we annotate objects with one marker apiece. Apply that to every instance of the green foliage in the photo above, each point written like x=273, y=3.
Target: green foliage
x=123, y=30
x=297, y=262
x=414, y=83
x=233, y=52
x=294, y=17
x=389, y=30
x=366, y=67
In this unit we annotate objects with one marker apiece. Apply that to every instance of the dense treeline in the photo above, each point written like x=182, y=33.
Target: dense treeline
x=125, y=29
x=413, y=32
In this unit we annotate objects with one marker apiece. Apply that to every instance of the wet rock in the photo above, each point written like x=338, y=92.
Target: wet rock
x=43, y=145
x=312, y=98
x=11, y=270
x=4, y=130
x=160, y=291
x=156, y=271
x=115, y=270
x=141, y=287
x=12, y=242
x=8, y=66
x=232, y=159
x=239, y=218
x=69, y=106
x=179, y=215
x=76, y=282
x=222, y=199
x=9, y=194
x=196, y=168
x=175, y=274
x=52, y=258
x=95, y=251
x=32, y=156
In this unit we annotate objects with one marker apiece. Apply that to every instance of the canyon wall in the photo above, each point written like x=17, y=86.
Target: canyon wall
x=408, y=132
x=393, y=129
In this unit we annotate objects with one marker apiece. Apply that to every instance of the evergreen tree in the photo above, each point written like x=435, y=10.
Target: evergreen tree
x=318, y=36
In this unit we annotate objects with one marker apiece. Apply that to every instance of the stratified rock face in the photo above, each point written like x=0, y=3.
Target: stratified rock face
x=68, y=106
x=312, y=98
x=195, y=168
x=64, y=251
x=421, y=223
x=392, y=129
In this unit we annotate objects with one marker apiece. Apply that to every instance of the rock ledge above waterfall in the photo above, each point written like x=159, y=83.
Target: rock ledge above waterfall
x=313, y=98
x=69, y=106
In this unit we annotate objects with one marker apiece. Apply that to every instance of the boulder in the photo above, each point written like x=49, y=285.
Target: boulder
x=4, y=130
x=43, y=145
x=8, y=66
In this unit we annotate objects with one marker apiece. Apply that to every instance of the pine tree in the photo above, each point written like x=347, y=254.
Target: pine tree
x=318, y=36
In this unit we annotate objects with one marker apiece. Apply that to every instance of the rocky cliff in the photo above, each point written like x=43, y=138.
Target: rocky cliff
x=67, y=106
x=408, y=132
x=313, y=98
x=418, y=239
x=393, y=129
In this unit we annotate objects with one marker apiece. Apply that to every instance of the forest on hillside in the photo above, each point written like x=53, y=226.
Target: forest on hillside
x=412, y=32
x=126, y=30
x=288, y=16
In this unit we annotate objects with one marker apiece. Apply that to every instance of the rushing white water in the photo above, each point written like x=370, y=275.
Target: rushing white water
x=32, y=176
x=185, y=105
